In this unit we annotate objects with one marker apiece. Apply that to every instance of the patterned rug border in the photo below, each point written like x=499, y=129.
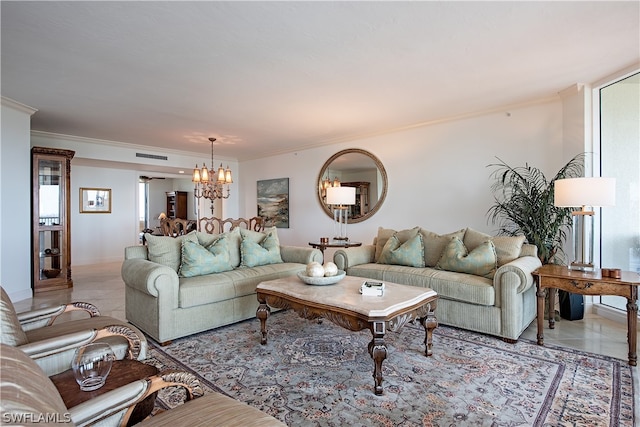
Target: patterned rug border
x=472, y=338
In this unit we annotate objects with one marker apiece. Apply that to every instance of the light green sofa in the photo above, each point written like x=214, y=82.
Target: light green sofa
x=163, y=303
x=499, y=301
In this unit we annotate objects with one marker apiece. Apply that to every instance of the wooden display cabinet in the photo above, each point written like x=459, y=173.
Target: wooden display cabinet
x=177, y=204
x=362, y=198
x=50, y=217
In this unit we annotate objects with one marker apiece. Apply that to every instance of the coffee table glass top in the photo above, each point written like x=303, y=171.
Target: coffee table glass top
x=346, y=294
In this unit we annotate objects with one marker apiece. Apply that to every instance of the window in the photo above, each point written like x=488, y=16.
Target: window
x=620, y=158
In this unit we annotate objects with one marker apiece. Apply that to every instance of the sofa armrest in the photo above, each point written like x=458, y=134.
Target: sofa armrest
x=114, y=407
x=61, y=343
x=149, y=277
x=349, y=257
x=517, y=273
x=133, y=252
x=300, y=254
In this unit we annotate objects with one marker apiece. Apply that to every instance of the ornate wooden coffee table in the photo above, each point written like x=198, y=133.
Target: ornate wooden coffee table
x=343, y=305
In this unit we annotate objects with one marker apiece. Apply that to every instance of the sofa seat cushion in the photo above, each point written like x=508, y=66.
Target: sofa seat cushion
x=207, y=289
x=245, y=280
x=211, y=288
x=447, y=284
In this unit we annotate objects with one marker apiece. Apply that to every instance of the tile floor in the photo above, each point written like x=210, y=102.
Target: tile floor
x=101, y=285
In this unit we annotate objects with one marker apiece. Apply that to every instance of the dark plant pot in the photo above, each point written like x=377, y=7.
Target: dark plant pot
x=571, y=305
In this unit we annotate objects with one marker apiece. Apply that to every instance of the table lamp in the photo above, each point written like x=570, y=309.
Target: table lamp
x=585, y=193
x=340, y=198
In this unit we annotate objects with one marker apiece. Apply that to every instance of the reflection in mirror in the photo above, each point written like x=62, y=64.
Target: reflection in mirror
x=49, y=176
x=354, y=168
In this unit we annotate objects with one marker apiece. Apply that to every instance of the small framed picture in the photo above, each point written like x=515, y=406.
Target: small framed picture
x=95, y=200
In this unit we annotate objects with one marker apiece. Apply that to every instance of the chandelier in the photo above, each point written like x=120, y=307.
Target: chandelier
x=206, y=184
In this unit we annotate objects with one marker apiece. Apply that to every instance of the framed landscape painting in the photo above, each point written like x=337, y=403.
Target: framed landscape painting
x=273, y=202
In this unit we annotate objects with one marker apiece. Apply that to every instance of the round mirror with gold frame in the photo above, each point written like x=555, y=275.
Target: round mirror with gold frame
x=357, y=168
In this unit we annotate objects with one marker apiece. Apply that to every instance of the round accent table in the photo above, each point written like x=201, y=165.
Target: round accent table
x=333, y=244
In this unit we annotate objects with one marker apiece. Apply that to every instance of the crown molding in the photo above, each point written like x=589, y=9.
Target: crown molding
x=8, y=102
x=118, y=144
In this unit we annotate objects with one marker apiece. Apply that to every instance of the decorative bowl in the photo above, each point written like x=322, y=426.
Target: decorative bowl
x=51, y=272
x=321, y=281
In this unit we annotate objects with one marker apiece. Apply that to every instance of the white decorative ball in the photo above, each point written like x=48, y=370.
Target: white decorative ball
x=330, y=269
x=315, y=269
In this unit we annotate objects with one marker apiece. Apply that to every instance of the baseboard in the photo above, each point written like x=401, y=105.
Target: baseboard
x=613, y=314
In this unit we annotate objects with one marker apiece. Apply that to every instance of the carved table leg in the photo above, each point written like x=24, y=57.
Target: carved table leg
x=429, y=323
x=540, y=293
x=552, y=307
x=378, y=351
x=632, y=330
x=262, y=313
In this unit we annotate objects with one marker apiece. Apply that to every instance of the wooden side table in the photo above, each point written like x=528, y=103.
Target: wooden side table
x=588, y=283
x=334, y=244
x=122, y=372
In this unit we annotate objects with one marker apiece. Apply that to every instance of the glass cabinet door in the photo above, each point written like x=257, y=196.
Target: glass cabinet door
x=51, y=225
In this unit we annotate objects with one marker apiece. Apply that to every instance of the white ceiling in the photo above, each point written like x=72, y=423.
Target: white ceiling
x=270, y=77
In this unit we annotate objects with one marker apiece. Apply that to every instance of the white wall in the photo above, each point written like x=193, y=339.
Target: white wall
x=102, y=237
x=438, y=179
x=15, y=200
x=438, y=174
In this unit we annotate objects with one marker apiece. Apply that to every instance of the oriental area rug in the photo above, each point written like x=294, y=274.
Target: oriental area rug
x=314, y=373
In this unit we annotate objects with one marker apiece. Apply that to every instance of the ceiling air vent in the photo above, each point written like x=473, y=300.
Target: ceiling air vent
x=151, y=156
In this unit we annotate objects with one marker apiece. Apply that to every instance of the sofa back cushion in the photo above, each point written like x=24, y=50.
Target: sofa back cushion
x=481, y=261
x=26, y=389
x=409, y=253
x=385, y=234
x=198, y=260
x=508, y=248
x=167, y=250
x=435, y=243
x=12, y=333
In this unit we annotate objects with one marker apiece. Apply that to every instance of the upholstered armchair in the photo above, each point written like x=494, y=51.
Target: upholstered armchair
x=42, y=317
x=52, y=345
x=28, y=396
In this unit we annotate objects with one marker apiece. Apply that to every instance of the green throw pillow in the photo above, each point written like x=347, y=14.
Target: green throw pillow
x=507, y=247
x=260, y=253
x=385, y=234
x=435, y=243
x=198, y=260
x=233, y=243
x=480, y=262
x=409, y=253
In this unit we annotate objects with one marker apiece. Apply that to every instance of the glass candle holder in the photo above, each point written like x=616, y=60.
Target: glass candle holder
x=91, y=365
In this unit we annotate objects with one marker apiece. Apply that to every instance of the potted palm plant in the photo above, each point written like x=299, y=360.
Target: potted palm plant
x=523, y=205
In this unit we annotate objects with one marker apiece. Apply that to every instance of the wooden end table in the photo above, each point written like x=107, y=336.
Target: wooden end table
x=334, y=244
x=343, y=305
x=122, y=372
x=588, y=283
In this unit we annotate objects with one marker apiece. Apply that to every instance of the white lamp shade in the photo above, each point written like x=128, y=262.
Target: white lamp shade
x=341, y=196
x=575, y=192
